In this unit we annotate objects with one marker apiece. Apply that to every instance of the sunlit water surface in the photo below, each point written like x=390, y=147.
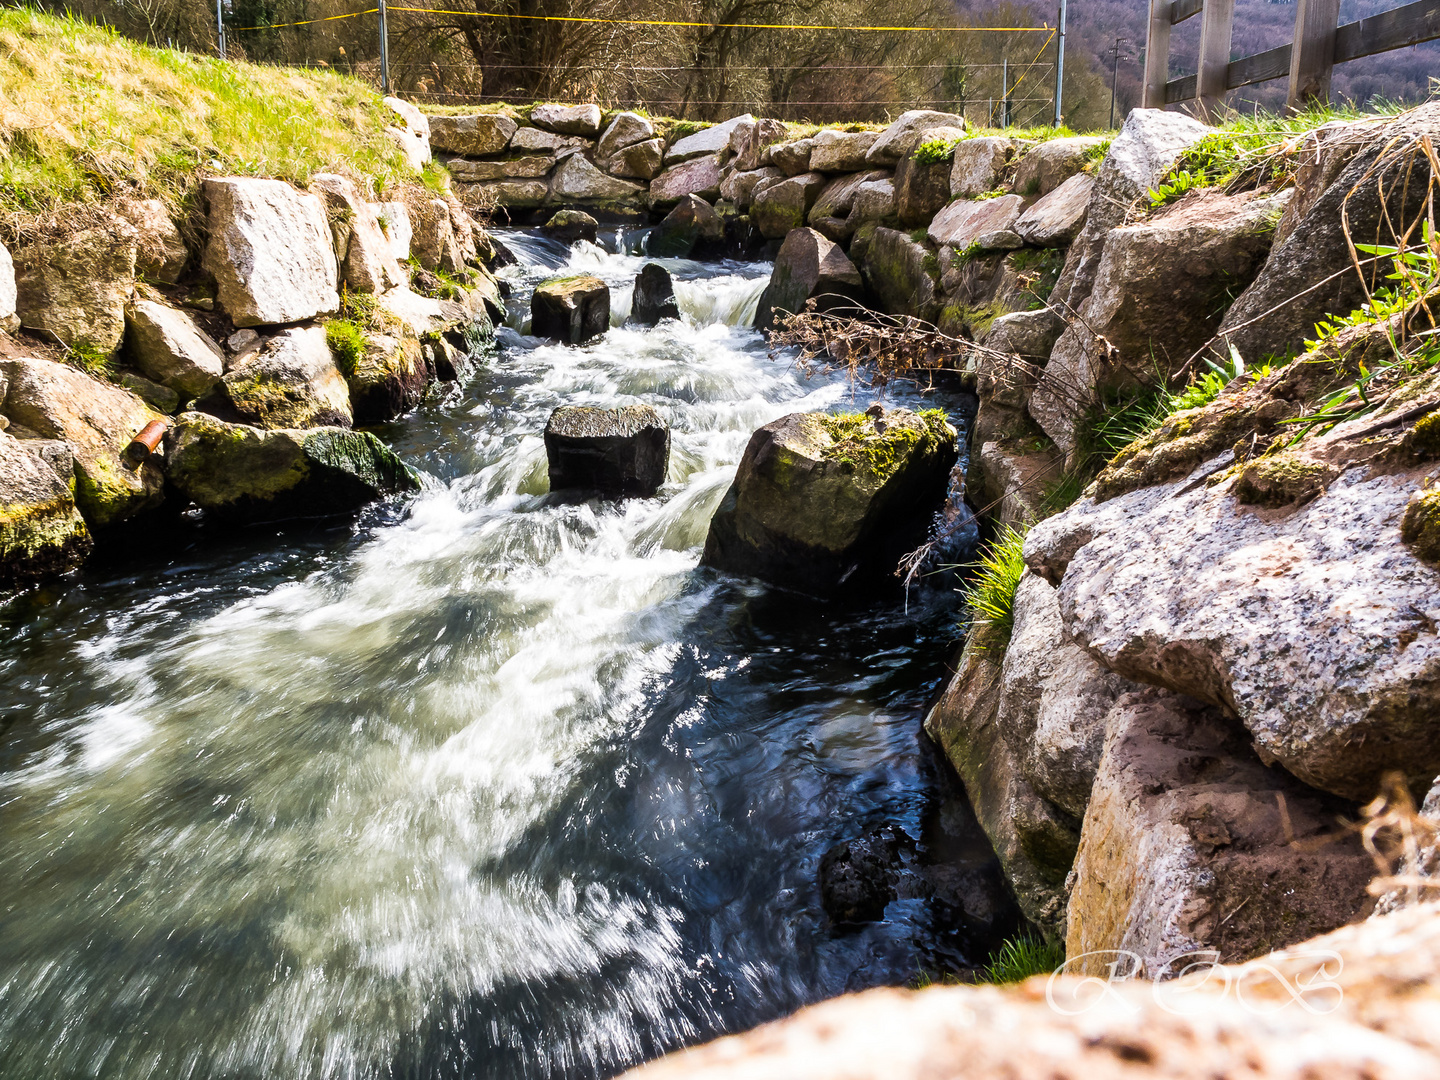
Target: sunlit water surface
x=484, y=783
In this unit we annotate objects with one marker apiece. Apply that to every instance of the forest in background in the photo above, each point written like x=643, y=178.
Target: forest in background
x=712, y=72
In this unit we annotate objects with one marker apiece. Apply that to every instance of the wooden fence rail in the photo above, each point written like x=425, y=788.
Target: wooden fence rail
x=1318, y=46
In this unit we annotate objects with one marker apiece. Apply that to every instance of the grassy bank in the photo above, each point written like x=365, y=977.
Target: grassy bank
x=86, y=113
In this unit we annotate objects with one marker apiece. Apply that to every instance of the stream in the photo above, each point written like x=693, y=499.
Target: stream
x=483, y=783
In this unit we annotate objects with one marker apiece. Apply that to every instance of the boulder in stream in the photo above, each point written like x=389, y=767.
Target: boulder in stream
x=808, y=266
x=245, y=474
x=654, y=296
x=692, y=222
x=573, y=309
x=611, y=452
x=825, y=501
x=41, y=531
x=567, y=226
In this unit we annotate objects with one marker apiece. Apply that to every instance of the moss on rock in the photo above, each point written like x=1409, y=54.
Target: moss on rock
x=1420, y=527
x=1281, y=480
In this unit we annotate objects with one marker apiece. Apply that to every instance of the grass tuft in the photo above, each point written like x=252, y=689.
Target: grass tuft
x=989, y=597
x=1021, y=957
x=347, y=341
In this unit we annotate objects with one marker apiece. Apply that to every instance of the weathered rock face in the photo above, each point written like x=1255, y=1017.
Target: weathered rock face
x=739, y=187
x=576, y=180
x=979, y=165
x=476, y=135
x=160, y=253
x=900, y=139
x=920, y=190
x=432, y=238
x=97, y=421
x=1312, y=624
x=839, y=151
x=1355, y=1003
x=874, y=201
x=1159, y=291
x=41, y=531
x=394, y=221
x=167, y=346
x=706, y=143
x=700, y=176
x=808, y=265
x=1050, y=164
x=1010, y=477
x=837, y=198
x=361, y=248
x=572, y=309
x=1149, y=144
x=389, y=379
x=243, y=474
x=654, y=296
x=1308, y=276
x=413, y=133
x=611, y=452
x=626, y=129
x=792, y=158
x=567, y=226
x=568, y=119
x=537, y=140
x=748, y=143
x=819, y=502
x=1191, y=844
x=964, y=222
x=291, y=383
x=691, y=222
x=270, y=252
x=1056, y=219
x=783, y=206
x=75, y=287
x=515, y=194
x=641, y=161
x=902, y=274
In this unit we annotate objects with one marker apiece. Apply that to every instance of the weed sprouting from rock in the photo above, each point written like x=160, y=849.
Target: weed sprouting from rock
x=989, y=597
x=1021, y=957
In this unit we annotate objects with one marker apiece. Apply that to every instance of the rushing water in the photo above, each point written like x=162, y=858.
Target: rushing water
x=485, y=783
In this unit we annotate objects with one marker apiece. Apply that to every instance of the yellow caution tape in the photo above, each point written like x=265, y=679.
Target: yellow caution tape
x=723, y=26
x=306, y=22
x=1033, y=62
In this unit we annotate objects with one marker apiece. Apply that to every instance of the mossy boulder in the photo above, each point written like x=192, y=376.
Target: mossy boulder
x=903, y=274
x=573, y=309
x=246, y=474
x=41, y=530
x=1420, y=527
x=822, y=501
x=96, y=420
x=293, y=382
x=389, y=377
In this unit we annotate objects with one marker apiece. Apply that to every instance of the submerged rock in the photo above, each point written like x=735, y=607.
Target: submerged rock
x=611, y=452
x=96, y=421
x=823, y=501
x=41, y=531
x=654, y=296
x=572, y=309
x=567, y=226
x=245, y=474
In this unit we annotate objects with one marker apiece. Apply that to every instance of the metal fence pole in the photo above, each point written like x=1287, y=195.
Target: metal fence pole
x=1060, y=68
x=384, y=49
x=220, y=26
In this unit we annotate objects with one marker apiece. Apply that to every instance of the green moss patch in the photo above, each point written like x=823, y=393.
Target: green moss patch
x=1420, y=528
x=858, y=443
x=1281, y=480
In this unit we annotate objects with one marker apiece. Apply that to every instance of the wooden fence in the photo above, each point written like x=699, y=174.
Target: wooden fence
x=1318, y=46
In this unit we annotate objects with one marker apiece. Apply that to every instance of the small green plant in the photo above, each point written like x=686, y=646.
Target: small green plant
x=90, y=359
x=1179, y=184
x=1096, y=154
x=347, y=343
x=965, y=254
x=935, y=151
x=989, y=597
x=1021, y=957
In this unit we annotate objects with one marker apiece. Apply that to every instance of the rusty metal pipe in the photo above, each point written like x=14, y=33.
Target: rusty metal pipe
x=144, y=443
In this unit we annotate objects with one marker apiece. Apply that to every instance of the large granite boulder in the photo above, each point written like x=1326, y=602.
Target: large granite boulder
x=965, y=221
x=293, y=382
x=749, y=143
x=903, y=275
x=707, y=142
x=610, y=452
x=739, y=186
x=1159, y=295
x=530, y=167
x=808, y=266
x=782, y=206
x=475, y=135
x=920, y=190
x=73, y=288
x=1192, y=846
x=567, y=119
x=1056, y=219
x=576, y=180
x=160, y=252
x=700, y=176
x=840, y=151
x=167, y=346
x=362, y=249
x=41, y=531
x=792, y=158
x=978, y=166
x=97, y=421
x=638, y=161
x=532, y=140
x=898, y=141
x=626, y=129
x=837, y=198
x=434, y=242
x=270, y=252
x=823, y=502
x=245, y=474
x=874, y=200
x=653, y=298
x=571, y=309
x=692, y=222
x=568, y=226
x=1047, y=166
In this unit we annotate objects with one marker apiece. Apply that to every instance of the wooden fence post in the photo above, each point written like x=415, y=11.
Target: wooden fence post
x=1157, y=55
x=1216, y=22
x=1313, y=56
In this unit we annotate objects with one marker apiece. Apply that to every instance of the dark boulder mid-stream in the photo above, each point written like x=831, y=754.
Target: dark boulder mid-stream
x=611, y=452
x=654, y=296
x=824, y=501
x=571, y=309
